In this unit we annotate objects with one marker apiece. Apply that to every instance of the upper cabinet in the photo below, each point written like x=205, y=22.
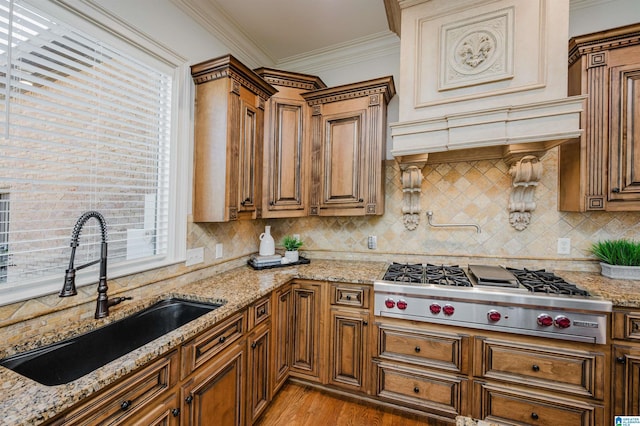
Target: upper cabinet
x=229, y=124
x=348, y=136
x=287, y=144
x=599, y=171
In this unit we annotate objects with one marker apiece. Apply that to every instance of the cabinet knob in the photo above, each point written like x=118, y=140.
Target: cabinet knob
x=615, y=190
x=416, y=390
x=621, y=360
x=262, y=311
x=125, y=405
x=365, y=322
x=271, y=203
x=535, y=367
x=254, y=345
x=361, y=200
x=175, y=412
x=534, y=416
x=348, y=297
x=246, y=200
x=222, y=339
x=417, y=349
x=189, y=399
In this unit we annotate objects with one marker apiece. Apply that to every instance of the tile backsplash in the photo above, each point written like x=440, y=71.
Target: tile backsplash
x=464, y=192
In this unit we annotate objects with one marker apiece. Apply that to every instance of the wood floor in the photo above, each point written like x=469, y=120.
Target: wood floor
x=300, y=405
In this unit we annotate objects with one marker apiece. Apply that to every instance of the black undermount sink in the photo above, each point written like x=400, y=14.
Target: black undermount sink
x=70, y=359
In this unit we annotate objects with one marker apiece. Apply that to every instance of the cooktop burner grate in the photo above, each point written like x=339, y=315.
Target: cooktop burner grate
x=427, y=274
x=541, y=281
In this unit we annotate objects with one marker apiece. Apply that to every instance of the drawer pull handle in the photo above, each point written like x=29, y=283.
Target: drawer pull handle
x=621, y=360
x=222, y=339
x=262, y=311
x=254, y=345
x=189, y=399
x=534, y=416
x=535, y=367
x=416, y=389
x=417, y=349
x=125, y=405
x=175, y=412
x=348, y=297
x=365, y=322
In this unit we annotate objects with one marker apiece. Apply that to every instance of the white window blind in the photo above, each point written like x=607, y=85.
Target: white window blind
x=82, y=127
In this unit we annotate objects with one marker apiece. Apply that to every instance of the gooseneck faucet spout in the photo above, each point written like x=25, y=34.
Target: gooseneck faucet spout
x=69, y=288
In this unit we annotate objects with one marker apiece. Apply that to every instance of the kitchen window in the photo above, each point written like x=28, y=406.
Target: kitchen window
x=88, y=121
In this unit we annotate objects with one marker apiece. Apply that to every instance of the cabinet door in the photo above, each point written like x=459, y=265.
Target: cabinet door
x=348, y=353
x=250, y=153
x=307, y=317
x=624, y=177
x=258, y=369
x=164, y=413
x=282, y=336
x=286, y=151
x=626, y=380
x=215, y=395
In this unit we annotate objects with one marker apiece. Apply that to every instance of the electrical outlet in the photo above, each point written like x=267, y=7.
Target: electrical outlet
x=564, y=245
x=194, y=256
x=219, y=251
x=372, y=242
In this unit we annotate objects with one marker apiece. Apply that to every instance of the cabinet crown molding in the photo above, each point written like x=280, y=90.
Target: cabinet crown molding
x=382, y=85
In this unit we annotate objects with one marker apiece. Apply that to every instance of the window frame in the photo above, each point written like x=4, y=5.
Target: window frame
x=93, y=20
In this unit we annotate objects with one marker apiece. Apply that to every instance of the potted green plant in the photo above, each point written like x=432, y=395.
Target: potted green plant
x=618, y=258
x=291, y=246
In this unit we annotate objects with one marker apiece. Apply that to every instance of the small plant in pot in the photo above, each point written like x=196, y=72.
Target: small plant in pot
x=618, y=258
x=291, y=245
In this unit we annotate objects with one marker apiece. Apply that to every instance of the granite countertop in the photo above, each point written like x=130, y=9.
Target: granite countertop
x=25, y=402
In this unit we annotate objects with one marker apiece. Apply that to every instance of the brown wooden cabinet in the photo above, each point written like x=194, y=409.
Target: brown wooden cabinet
x=215, y=394
x=282, y=336
x=229, y=124
x=348, y=134
x=599, y=171
x=307, y=329
x=259, y=359
x=349, y=337
x=287, y=144
x=164, y=412
x=626, y=363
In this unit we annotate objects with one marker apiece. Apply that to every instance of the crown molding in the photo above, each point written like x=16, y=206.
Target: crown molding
x=339, y=55
x=219, y=23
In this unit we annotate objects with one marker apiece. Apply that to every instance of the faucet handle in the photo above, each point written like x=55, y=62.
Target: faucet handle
x=69, y=288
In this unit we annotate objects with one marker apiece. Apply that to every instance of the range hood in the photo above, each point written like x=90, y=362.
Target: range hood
x=482, y=79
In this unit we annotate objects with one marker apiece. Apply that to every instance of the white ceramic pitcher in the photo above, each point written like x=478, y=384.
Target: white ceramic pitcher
x=267, y=245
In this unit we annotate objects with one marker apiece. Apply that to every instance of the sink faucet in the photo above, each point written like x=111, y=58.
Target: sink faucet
x=69, y=288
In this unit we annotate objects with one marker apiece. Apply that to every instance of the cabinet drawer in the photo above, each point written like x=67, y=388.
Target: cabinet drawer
x=350, y=295
x=130, y=396
x=259, y=311
x=570, y=371
x=205, y=346
x=506, y=405
x=424, y=348
x=440, y=394
x=626, y=325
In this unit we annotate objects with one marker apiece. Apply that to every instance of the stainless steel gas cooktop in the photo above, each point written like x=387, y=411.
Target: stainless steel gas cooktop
x=523, y=301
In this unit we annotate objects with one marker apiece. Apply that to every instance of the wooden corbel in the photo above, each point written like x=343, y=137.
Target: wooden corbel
x=411, y=190
x=526, y=174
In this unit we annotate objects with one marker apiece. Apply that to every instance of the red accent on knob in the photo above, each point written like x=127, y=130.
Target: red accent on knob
x=435, y=308
x=545, y=320
x=493, y=316
x=389, y=303
x=562, y=322
x=402, y=305
x=448, y=310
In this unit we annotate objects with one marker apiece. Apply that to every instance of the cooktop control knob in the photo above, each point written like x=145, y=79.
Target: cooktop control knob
x=562, y=322
x=435, y=308
x=389, y=303
x=493, y=315
x=448, y=310
x=545, y=320
x=402, y=304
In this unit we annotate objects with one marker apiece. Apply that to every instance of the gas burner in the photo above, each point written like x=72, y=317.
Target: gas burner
x=446, y=275
x=404, y=272
x=541, y=281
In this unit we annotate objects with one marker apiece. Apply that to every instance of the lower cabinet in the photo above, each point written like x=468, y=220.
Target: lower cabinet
x=626, y=377
x=216, y=393
x=282, y=336
x=258, y=371
x=307, y=303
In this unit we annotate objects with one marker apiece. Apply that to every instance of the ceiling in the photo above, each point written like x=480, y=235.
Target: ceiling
x=282, y=30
